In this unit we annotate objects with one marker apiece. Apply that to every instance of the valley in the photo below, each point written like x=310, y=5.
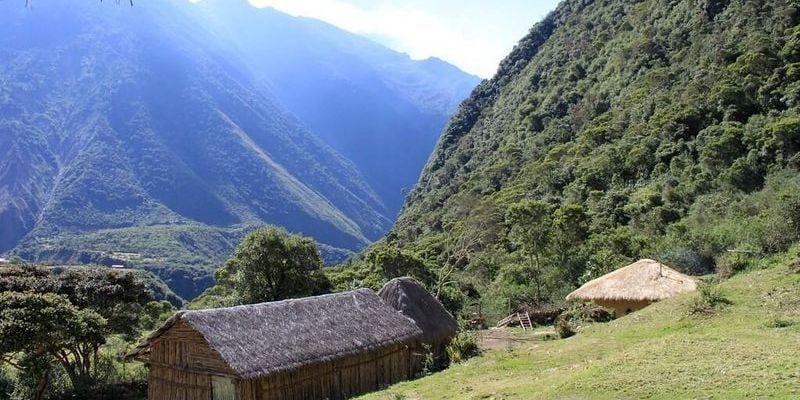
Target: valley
x=223, y=200
x=147, y=131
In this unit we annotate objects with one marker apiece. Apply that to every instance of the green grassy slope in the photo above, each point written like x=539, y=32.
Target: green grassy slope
x=748, y=349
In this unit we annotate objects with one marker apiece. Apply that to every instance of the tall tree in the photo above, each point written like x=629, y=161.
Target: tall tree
x=570, y=230
x=270, y=264
x=387, y=261
x=475, y=225
x=531, y=226
x=120, y=297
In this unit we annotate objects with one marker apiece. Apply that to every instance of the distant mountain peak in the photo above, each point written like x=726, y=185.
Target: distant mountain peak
x=156, y=136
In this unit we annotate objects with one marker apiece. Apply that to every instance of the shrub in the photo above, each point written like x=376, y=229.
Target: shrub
x=117, y=391
x=463, y=346
x=6, y=385
x=564, y=328
x=429, y=362
x=690, y=261
x=710, y=300
x=585, y=312
x=794, y=266
x=730, y=264
x=779, y=323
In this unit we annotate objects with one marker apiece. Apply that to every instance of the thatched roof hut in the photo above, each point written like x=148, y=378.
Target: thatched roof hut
x=410, y=298
x=635, y=286
x=332, y=346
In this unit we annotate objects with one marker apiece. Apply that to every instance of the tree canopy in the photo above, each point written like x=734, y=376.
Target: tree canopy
x=50, y=320
x=270, y=264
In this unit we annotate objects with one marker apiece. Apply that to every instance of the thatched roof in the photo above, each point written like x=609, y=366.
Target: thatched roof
x=644, y=280
x=410, y=298
x=261, y=339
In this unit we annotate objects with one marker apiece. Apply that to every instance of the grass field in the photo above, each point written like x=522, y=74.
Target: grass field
x=749, y=349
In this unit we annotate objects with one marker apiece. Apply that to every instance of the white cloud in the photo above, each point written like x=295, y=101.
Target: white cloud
x=413, y=31
x=472, y=34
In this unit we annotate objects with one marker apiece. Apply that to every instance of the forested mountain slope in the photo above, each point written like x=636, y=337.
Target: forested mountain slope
x=379, y=108
x=134, y=135
x=617, y=129
x=113, y=121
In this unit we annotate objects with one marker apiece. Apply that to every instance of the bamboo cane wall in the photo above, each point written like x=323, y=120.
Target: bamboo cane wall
x=181, y=365
x=342, y=379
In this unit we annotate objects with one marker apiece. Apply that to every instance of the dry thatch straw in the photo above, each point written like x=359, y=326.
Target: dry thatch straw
x=644, y=280
x=261, y=339
x=410, y=298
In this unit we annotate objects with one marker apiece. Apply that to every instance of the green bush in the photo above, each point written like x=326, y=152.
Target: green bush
x=463, y=346
x=778, y=323
x=730, y=264
x=6, y=385
x=709, y=300
x=794, y=266
x=564, y=328
x=117, y=391
x=585, y=312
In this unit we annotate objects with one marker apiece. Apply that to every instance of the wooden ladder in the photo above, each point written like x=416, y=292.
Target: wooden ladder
x=505, y=321
x=525, y=321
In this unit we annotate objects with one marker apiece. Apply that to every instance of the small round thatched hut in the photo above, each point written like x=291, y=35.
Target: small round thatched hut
x=410, y=298
x=634, y=287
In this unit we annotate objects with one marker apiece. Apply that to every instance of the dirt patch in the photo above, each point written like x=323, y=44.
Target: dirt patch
x=504, y=338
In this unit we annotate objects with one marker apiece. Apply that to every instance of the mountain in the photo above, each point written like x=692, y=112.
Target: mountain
x=379, y=108
x=134, y=135
x=617, y=130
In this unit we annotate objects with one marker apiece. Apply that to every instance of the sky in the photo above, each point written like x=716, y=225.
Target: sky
x=474, y=35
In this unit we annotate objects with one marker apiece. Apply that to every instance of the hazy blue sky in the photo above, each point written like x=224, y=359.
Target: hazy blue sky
x=472, y=34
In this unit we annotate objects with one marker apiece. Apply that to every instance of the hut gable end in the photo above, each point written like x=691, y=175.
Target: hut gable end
x=411, y=299
x=184, y=347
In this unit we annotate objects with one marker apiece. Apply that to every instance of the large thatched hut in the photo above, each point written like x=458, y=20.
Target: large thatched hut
x=410, y=298
x=327, y=347
x=634, y=287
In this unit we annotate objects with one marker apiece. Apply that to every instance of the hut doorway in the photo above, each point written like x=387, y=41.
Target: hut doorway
x=222, y=388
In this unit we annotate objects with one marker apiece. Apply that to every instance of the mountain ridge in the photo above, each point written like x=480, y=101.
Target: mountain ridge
x=341, y=99
x=139, y=138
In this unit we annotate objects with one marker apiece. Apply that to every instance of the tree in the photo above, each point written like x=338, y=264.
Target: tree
x=36, y=329
x=100, y=302
x=476, y=225
x=570, y=230
x=270, y=264
x=384, y=262
x=118, y=296
x=531, y=226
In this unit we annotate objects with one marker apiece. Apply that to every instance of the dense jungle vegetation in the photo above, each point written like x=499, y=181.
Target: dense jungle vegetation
x=615, y=130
